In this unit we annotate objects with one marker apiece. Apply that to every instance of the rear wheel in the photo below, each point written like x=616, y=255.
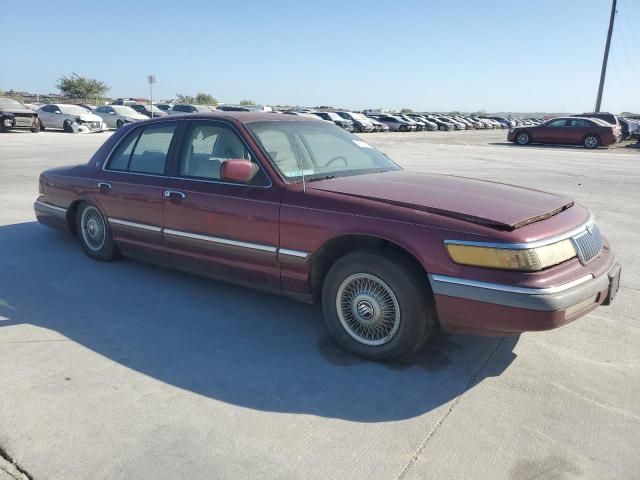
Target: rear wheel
x=94, y=233
x=66, y=126
x=591, y=141
x=523, y=138
x=35, y=126
x=377, y=305
x=119, y=124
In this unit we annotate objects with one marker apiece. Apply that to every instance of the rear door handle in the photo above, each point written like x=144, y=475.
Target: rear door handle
x=174, y=196
x=104, y=186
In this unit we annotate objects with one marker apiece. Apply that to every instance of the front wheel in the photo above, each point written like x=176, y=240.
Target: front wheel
x=591, y=141
x=95, y=234
x=119, y=124
x=35, y=126
x=378, y=305
x=523, y=138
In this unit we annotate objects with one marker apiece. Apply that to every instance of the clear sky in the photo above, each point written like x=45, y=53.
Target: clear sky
x=498, y=55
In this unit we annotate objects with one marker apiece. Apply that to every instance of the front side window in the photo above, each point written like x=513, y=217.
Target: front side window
x=317, y=149
x=207, y=146
x=144, y=150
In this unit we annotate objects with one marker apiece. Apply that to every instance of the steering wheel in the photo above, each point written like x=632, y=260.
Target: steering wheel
x=336, y=159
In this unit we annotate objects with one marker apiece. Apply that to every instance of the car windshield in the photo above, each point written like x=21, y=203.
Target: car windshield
x=73, y=110
x=10, y=103
x=122, y=110
x=317, y=150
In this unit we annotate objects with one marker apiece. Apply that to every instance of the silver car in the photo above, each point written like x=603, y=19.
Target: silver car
x=115, y=116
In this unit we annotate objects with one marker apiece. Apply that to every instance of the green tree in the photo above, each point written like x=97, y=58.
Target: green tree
x=76, y=86
x=406, y=110
x=247, y=102
x=205, y=99
x=184, y=98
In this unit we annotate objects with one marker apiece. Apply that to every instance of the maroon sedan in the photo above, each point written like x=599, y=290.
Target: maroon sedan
x=301, y=207
x=590, y=132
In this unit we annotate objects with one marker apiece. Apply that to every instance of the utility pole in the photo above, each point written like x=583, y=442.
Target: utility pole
x=606, y=56
x=151, y=79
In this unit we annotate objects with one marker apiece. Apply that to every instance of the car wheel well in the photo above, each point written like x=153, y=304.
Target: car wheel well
x=71, y=217
x=337, y=247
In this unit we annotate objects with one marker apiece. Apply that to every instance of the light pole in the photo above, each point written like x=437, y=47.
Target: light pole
x=606, y=56
x=151, y=79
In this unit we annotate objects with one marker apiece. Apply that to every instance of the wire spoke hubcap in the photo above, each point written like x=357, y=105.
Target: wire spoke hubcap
x=93, y=229
x=368, y=309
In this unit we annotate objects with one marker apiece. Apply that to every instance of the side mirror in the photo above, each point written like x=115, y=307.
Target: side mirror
x=238, y=170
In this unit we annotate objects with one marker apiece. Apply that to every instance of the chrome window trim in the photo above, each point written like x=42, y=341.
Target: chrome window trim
x=293, y=253
x=526, y=245
x=221, y=241
x=510, y=288
x=52, y=207
x=244, y=185
x=141, y=226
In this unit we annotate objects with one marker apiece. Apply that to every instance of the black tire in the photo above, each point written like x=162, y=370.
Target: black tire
x=104, y=251
x=591, y=141
x=35, y=128
x=119, y=124
x=66, y=127
x=523, y=138
x=406, y=331
x=41, y=125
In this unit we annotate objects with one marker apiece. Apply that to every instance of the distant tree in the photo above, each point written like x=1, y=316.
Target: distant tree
x=247, y=102
x=406, y=110
x=205, y=99
x=184, y=98
x=76, y=86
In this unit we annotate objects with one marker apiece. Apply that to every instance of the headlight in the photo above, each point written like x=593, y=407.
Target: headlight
x=530, y=259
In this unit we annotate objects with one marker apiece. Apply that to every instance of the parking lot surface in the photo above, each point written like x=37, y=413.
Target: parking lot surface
x=124, y=370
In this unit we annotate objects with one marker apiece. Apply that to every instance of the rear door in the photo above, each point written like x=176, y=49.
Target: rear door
x=130, y=187
x=219, y=228
x=577, y=129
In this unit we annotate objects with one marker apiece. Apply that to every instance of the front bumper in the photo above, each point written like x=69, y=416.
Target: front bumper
x=483, y=308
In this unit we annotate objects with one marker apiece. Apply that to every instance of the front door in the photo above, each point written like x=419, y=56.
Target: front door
x=130, y=189
x=215, y=227
x=554, y=132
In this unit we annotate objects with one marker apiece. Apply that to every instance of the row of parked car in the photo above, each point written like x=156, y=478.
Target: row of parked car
x=373, y=121
x=593, y=130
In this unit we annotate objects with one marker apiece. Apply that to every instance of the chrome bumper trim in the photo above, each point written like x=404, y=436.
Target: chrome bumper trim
x=48, y=206
x=509, y=288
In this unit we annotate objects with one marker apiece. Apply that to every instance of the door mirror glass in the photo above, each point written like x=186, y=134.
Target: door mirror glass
x=238, y=170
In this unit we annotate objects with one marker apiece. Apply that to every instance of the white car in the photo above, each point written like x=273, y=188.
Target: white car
x=70, y=118
x=115, y=116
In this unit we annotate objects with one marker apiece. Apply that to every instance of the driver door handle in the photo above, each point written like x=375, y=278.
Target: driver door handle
x=174, y=196
x=104, y=187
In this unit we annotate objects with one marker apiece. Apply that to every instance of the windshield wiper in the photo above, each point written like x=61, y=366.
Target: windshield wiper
x=325, y=177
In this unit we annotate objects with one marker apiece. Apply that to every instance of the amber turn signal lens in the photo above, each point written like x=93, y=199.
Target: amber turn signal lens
x=527, y=259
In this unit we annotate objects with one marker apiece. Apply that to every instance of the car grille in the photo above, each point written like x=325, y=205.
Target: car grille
x=588, y=243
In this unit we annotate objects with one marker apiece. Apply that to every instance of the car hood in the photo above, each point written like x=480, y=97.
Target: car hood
x=17, y=110
x=488, y=203
x=89, y=117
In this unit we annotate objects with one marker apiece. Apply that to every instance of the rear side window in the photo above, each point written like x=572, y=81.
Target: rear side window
x=580, y=123
x=144, y=151
x=558, y=123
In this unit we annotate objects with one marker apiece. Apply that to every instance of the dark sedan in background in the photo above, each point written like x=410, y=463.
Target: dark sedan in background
x=590, y=132
x=14, y=115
